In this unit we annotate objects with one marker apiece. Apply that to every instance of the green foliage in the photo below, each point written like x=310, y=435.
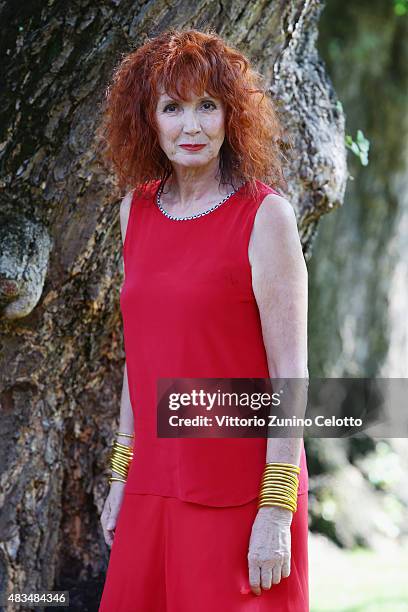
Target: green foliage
x=400, y=7
x=359, y=147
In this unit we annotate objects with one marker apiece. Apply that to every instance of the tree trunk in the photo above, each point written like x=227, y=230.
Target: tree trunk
x=358, y=299
x=359, y=274
x=62, y=355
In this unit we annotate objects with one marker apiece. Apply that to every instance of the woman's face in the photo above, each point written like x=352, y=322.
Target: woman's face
x=200, y=121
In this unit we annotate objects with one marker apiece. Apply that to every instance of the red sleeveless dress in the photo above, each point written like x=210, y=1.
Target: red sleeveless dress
x=182, y=533
x=189, y=311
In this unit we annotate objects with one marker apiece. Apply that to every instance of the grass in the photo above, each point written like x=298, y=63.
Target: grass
x=358, y=581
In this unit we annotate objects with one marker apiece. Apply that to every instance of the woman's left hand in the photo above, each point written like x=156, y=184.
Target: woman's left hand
x=269, y=548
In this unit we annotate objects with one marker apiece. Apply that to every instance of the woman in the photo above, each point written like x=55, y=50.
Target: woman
x=215, y=287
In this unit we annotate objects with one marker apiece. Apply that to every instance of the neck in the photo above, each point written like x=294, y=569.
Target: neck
x=188, y=187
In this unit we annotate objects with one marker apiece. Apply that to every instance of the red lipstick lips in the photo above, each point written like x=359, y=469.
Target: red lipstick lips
x=193, y=147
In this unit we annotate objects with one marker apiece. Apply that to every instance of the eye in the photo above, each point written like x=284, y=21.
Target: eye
x=168, y=106
x=209, y=102
x=173, y=104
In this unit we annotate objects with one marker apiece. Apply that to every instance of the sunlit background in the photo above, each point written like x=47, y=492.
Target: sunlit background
x=358, y=314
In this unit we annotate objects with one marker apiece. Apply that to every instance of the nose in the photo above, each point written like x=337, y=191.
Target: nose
x=191, y=123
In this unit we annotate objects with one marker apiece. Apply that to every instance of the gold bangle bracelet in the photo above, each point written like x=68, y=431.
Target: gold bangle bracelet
x=119, y=471
x=279, y=485
x=280, y=481
x=280, y=464
x=117, y=443
x=122, y=433
x=121, y=453
x=281, y=473
x=278, y=490
x=281, y=469
x=277, y=496
x=282, y=498
x=272, y=468
x=284, y=489
x=293, y=482
x=288, y=477
x=123, y=469
x=124, y=461
x=120, y=464
x=123, y=456
x=120, y=460
x=126, y=458
x=115, y=470
x=125, y=447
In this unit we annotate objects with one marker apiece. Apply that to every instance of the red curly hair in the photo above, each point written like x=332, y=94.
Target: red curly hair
x=182, y=61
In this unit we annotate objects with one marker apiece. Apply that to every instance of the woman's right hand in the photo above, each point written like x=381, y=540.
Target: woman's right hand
x=111, y=510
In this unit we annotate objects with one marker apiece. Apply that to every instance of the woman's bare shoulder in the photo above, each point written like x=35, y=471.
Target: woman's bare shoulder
x=275, y=219
x=275, y=232
x=275, y=209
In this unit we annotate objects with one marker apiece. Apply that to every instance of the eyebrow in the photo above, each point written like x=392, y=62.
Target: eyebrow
x=167, y=99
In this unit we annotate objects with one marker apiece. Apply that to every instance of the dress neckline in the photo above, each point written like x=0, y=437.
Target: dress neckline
x=199, y=215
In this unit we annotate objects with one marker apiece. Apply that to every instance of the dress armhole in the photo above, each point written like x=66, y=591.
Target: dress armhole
x=128, y=231
x=262, y=195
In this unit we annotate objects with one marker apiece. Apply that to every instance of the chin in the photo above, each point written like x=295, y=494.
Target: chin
x=193, y=162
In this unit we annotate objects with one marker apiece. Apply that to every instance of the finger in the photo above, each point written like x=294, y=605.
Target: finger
x=106, y=535
x=286, y=567
x=266, y=577
x=254, y=577
x=108, y=525
x=105, y=512
x=110, y=522
x=276, y=574
x=112, y=519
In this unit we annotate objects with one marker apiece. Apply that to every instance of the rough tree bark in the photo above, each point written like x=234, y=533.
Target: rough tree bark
x=62, y=356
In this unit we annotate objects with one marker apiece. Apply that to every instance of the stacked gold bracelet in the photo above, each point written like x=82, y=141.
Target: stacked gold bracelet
x=120, y=458
x=279, y=485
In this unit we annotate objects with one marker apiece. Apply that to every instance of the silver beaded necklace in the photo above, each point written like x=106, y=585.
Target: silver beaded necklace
x=201, y=214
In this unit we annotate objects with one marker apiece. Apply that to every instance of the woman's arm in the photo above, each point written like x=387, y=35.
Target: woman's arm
x=113, y=502
x=279, y=281
x=126, y=423
x=280, y=284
